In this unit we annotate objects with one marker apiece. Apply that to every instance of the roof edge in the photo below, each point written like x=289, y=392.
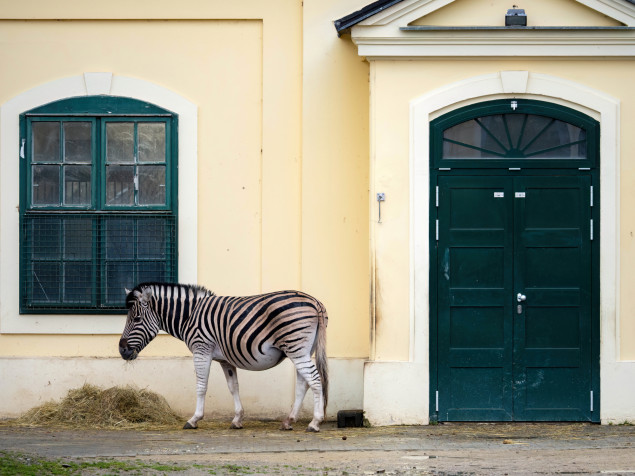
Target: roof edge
x=344, y=24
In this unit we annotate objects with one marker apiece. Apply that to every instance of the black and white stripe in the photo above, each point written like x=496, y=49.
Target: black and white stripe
x=252, y=333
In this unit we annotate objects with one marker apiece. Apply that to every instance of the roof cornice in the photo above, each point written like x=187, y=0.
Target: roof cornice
x=487, y=42
x=383, y=12
x=388, y=33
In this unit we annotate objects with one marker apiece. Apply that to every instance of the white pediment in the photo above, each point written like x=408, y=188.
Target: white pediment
x=571, y=28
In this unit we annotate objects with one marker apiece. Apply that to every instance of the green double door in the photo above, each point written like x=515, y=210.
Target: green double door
x=515, y=298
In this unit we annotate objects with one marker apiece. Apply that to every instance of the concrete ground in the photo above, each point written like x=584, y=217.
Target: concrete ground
x=260, y=448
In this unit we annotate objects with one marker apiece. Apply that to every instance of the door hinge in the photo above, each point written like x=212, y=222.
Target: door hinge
x=437, y=199
x=591, y=233
x=591, y=193
x=437, y=229
x=591, y=400
x=436, y=406
x=22, y=148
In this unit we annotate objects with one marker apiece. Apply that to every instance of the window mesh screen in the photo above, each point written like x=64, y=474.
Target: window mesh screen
x=84, y=261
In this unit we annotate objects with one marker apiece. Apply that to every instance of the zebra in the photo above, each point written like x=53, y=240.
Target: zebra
x=251, y=333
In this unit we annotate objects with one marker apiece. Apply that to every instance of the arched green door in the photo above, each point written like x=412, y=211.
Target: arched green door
x=514, y=264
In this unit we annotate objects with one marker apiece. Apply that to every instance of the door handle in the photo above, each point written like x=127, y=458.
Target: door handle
x=521, y=297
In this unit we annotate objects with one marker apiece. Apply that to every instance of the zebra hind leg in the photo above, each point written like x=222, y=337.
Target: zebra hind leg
x=232, y=382
x=301, y=386
x=307, y=369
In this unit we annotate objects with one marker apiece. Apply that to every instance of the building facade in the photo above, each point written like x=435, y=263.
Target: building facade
x=456, y=192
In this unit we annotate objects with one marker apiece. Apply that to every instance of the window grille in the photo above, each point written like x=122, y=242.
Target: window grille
x=84, y=262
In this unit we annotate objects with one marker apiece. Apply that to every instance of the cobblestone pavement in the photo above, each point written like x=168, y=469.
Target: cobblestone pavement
x=260, y=448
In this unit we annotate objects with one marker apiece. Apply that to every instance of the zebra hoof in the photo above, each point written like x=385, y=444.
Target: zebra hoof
x=188, y=426
x=285, y=426
x=310, y=429
x=236, y=427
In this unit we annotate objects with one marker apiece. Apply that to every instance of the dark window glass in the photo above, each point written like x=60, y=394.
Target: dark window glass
x=504, y=136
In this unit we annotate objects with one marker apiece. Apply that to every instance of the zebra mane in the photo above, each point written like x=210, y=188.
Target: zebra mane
x=131, y=298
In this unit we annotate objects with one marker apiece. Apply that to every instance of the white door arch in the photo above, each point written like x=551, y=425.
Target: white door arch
x=517, y=84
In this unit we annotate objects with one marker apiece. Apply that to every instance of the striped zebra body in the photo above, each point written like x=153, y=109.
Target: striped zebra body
x=251, y=333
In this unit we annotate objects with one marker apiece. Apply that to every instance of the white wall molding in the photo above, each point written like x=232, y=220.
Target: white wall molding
x=614, y=374
x=98, y=83
x=81, y=85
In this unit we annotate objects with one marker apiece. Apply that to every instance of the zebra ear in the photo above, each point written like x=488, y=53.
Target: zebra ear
x=127, y=291
x=147, y=294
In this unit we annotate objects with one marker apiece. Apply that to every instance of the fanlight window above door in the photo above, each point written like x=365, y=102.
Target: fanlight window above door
x=519, y=133
x=514, y=136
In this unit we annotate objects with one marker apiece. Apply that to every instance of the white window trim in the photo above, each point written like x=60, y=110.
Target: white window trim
x=519, y=84
x=83, y=85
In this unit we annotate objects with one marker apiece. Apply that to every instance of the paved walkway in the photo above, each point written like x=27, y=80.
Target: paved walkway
x=260, y=448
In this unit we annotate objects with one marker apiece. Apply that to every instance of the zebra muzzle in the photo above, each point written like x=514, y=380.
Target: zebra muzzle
x=126, y=352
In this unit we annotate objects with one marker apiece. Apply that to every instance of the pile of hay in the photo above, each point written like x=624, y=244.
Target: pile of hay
x=115, y=407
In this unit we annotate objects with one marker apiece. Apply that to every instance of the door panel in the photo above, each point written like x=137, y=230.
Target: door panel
x=501, y=358
x=552, y=337
x=474, y=281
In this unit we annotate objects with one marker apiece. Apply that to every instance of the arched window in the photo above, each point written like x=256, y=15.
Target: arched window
x=98, y=202
x=521, y=133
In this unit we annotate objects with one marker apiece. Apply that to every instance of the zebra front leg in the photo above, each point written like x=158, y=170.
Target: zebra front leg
x=307, y=370
x=202, y=363
x=232, y=382
x=301, y=386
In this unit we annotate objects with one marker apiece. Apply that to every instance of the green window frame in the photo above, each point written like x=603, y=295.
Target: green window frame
x=98, y=203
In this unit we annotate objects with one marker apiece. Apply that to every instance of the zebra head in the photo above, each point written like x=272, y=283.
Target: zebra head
x=142, y=324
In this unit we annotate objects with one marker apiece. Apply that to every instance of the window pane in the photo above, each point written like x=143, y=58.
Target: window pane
x=46, y=141
x=120, y=238
x=556, y=142
x=151, y=141
x=77, y=185
x=46, y=282
x=120, y=185
x=151, y=239
x=78, y=238
x=149, y=271
x=46, y=185
x=151, y=185
x=494, y=131
x=475, y=140
x=533, y=128
x=77, y=142
x=120, y=142
x=78, y=282
x=45, y=238
x=119, y=275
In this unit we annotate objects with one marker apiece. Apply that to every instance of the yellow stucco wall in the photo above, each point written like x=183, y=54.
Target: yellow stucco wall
x=282, y=162
x=394, y=84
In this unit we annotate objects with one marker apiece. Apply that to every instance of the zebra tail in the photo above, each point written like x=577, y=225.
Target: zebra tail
x=321, y=360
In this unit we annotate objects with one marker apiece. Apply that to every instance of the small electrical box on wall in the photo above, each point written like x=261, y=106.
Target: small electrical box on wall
x=516, y=17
